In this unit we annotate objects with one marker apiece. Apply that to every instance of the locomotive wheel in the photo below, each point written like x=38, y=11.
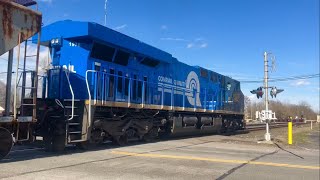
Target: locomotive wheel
x=148, y=137
x=121, y=140
x=83, y=145
x=232, y=127
x=58, y=143
x=6, y=142
x=151, y=135
x=86, y=145
x=166, y=132
x=47, y=143
x=224, y=127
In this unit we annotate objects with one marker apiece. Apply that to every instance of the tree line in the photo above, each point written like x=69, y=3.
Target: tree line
x=282, y=109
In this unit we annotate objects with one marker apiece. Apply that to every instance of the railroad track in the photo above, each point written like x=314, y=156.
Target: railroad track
x=260, y=126
x=30, y=149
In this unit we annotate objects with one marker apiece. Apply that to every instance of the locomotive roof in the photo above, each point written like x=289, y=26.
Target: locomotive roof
x=88, y=31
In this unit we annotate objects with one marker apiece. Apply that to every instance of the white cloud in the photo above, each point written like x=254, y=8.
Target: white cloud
x=204, y=45
x=164, y=27
x=300, y=83
x=173, y=39
x=121, y=27
x=190, y=45
x=199, y=39
x=197, y=43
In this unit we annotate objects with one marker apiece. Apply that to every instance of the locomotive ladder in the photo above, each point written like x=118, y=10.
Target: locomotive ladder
x=24, y=117
x=73, y=121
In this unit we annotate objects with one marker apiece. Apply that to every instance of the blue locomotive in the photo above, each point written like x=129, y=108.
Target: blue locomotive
x=103, y=85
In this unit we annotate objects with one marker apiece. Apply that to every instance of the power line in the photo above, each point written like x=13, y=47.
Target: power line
x=6, y=72
x=283, y=79
x=296, y=77
x=20, y=65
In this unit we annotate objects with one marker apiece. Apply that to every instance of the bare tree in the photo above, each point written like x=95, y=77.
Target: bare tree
x=247, y=106
x=284, y=109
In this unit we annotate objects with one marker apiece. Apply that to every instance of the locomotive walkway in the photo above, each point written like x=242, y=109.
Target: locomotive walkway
x=206, y=157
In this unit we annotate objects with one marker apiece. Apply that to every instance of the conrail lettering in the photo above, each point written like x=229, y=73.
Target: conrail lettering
x=164, y=79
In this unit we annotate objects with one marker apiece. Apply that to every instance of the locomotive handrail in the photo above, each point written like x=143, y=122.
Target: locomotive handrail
x=143, y=94
x=209, y=102
x=168, y=86
x=72, y=94
x=89, y=94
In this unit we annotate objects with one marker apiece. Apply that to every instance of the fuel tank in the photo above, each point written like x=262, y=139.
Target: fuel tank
x=192, y=125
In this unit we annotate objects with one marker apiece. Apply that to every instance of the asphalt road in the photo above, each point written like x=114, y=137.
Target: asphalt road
x=191, y=158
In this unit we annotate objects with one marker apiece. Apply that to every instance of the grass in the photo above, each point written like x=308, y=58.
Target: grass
x=302, y=137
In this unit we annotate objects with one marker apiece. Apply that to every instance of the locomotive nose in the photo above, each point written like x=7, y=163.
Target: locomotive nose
x=6, y=142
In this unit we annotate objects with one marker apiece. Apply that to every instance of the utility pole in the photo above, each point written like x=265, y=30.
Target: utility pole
x=105, y=13
x=267, y=115
x=267, y=136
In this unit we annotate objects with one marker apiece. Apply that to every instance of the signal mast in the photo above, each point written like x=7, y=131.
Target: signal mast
x=266, y=114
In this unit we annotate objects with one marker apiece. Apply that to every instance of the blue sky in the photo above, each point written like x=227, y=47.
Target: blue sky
x=227, y=36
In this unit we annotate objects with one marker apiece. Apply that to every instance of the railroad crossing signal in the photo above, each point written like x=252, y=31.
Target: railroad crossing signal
x=274, y=91
x=258, y=92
